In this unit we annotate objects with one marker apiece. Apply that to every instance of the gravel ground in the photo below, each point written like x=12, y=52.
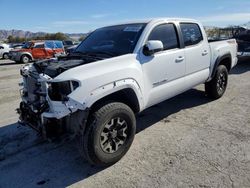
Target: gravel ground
x=187, y=141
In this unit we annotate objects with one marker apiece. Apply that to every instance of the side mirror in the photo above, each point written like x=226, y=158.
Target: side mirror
x=152, y=46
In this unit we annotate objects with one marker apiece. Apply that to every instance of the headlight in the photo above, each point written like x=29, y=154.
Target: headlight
x=58, y=91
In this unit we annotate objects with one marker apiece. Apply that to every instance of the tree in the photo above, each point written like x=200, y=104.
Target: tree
x=82, y=38
x=12, y=39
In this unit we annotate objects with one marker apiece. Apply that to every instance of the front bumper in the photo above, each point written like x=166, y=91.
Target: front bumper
x=15, y=56
x=38, y=111
x=51, y=126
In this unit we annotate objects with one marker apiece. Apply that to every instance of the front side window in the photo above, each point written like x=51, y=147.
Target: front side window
x=191, y=33
x=113, y=40
x=166, y=33
x=27, y=45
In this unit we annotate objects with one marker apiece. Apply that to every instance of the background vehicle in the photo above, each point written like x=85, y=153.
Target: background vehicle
x=243, y=40
x=17, y=45
x=70, y=49
x=116, y=72
x=4, y=51
x=67, y=44
x=37, y=50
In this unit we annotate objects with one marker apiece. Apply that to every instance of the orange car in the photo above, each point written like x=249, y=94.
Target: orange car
x=37, y=50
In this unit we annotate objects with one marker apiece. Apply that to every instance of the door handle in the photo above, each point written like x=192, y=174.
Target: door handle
x=179, y=59
x=204, y=53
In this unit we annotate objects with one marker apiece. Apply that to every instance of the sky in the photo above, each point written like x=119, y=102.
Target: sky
x=80, y=16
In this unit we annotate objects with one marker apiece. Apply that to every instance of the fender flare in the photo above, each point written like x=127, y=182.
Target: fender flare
x=113, y=87
x=219, y=60
x=26, y=53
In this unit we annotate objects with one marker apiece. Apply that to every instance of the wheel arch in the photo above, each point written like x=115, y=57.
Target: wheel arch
x=27, y=54
x=226, y=60
x=127, y=94
x=4, y=54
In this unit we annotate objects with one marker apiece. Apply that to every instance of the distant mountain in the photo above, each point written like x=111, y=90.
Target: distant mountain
x=246, y=25
x=27, y=34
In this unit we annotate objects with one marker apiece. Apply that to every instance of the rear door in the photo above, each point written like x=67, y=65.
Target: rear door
x=59, y=48
x=49, y=48
x=38, y=51
x=197, y=52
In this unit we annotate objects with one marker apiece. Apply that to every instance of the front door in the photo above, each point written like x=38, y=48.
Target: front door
x=164, y=71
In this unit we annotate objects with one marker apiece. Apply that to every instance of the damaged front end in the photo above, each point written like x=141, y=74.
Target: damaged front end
x=46, y=105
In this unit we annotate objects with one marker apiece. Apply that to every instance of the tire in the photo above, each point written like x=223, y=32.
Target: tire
x=25, y=59
x=217, y=86
x=109, y=134
x=5, y=56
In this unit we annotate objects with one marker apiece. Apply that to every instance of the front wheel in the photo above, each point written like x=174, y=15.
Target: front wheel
x=217, y=86
x=25, y=59
x=5, y=56
x=110, y=134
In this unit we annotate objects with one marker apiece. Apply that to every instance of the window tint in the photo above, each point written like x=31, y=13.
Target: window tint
x=58, y=44
x=49, y=44
x=191, y=33
x=113, y=40
x=167, y=34
x=39, y=45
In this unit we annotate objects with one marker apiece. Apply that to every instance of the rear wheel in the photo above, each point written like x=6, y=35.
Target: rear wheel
x=217, y=86
x=109, y=134
x=25, y=59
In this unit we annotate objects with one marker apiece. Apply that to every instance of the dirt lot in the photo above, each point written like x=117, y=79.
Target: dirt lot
x=187, y=141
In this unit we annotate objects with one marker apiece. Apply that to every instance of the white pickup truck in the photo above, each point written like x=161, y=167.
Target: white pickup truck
x=116, y=72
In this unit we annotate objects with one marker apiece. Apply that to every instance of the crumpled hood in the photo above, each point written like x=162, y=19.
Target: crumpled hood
x=116, y=65
x=53, y=67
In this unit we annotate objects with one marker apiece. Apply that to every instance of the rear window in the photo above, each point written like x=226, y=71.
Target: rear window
x=191, y=33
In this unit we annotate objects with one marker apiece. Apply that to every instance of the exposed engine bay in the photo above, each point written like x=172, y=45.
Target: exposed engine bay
x=54, y=67
x=45, y=103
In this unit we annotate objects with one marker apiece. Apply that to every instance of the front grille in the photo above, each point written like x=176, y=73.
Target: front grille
x=31, y=89
x=33, y=93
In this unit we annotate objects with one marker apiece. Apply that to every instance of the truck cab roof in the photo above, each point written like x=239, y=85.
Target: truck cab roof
x=155, y=20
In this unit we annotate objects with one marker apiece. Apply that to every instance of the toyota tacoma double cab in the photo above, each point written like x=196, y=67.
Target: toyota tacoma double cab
x=117, y=72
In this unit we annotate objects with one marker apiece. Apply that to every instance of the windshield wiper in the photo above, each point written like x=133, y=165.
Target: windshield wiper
x=109, y=54
x=84, y=54
x=96, y=53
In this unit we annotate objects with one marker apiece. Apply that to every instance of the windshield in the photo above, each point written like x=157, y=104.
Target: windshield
x=114, y=40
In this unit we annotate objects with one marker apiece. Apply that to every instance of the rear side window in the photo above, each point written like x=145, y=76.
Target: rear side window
x=166, y=33
x=191, y=33
x=49, y=44
x=58, y=44
x=39, y=45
